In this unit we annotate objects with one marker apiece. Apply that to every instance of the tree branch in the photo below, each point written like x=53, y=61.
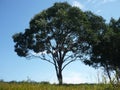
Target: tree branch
x=70, y=56
x=69, y=62
x=47, y=60
x=42, y=58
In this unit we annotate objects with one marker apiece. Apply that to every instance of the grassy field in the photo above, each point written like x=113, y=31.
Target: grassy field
x=43, y=86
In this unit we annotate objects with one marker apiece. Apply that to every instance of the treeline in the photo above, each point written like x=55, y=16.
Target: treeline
x=25, y=81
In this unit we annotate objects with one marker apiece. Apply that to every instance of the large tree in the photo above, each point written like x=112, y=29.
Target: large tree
x=53, y=36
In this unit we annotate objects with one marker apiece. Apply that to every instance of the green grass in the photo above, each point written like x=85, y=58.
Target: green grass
x=46, y=86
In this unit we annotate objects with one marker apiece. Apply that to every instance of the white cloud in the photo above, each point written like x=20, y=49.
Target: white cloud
x=73, y=78
x=77, y=4
x=98, y=11
x=92, y=1
x=100, y=1
x=107, y=1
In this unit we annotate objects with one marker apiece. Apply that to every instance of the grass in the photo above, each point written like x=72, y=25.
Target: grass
x=47, y=86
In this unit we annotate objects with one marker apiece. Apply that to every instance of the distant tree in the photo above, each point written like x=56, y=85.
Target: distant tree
x=53, y=36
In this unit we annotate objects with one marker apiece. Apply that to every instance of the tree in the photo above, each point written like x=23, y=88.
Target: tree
x=98, y=39
x=115, y=47
x=93, y=37
x=105, y=45
x=53, y=36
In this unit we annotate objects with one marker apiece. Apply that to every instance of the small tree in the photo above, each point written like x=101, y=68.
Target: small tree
x=53, y=36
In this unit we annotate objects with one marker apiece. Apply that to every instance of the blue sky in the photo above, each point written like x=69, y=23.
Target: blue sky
x=15, y=16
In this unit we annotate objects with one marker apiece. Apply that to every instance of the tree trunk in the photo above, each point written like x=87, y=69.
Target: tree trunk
x=60, y=79
x=117, y=75
x=59, y=75
x=109, y=76
x=108, y=73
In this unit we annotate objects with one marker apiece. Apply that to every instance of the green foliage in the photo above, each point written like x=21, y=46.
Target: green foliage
x=58, y=24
